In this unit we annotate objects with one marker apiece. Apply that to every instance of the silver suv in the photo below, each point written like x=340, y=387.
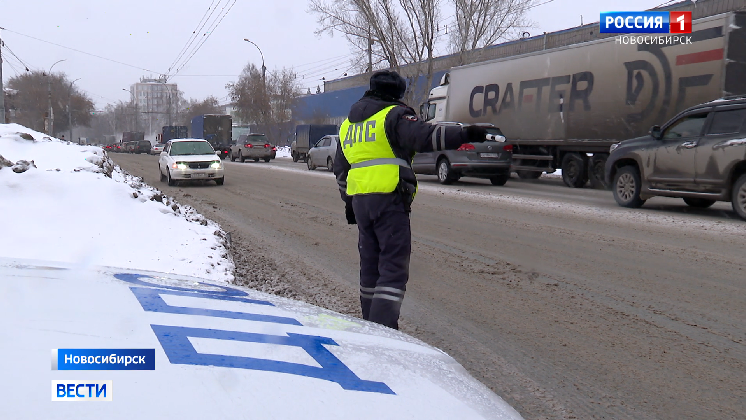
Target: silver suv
x=699, y=155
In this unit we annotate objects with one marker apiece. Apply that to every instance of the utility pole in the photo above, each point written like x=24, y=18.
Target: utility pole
x=2, y=88
x=370, y=52
x=70, y=109
x=50, y=118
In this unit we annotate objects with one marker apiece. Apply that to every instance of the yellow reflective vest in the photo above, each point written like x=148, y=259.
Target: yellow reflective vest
x=373, y=166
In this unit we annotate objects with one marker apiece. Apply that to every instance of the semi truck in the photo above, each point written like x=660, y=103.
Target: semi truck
x=216, y=129
x=306, y=136
x=170, y=132
x=128, y=136
x=563, y=108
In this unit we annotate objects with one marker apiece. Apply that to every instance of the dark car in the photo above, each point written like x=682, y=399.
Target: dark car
x=142, y=146
x=699, y=155
x=490, y=159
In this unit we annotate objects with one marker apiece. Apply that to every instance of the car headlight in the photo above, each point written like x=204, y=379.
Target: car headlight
x=613, y=147
x=179, y=165
x=216, y=165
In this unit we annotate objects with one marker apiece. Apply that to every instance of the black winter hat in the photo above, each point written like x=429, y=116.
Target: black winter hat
x=388, y=83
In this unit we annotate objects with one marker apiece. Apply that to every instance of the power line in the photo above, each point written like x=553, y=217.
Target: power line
x=207, y=35
x=207, y=75
x=319, y=61
x=323, y=68
x=664, y=4
x=540, y=4
x=197, y=31
x=82, y=52
x=5, y=44
x=7, y=61
x=192, y=37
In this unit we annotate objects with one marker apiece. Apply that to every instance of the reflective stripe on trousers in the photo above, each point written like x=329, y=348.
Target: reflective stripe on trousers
x=382, y=292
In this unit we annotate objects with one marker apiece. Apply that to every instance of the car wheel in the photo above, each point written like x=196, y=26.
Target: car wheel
x=739, y=197
x=329, y=165
x=233, y=156
x=220, y=181
x=445, y=173
x=574, y=172
x=596, y=166
x=267, y=159
x=529, y=174
x=501, y=179
x=240, y=157
x=627, y=186
x=310, y=165
x=171, y=182
x=699, y=203
x=295, y=156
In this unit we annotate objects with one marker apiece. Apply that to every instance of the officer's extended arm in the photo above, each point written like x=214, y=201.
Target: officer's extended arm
x=414, y=135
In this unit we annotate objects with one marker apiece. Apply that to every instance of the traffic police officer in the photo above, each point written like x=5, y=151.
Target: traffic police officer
x=373, y=167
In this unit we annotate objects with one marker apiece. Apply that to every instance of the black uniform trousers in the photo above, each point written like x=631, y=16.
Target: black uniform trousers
x=385, y=244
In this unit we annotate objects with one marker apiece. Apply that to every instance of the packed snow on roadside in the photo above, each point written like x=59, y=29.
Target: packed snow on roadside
x=69, y=203
x=283, y=152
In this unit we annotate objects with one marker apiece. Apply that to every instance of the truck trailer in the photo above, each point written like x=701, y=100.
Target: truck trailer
x=170, y=132
x=306, y=137
x=563, y=108
x=216, y=129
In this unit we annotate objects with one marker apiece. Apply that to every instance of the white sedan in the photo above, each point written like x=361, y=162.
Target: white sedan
x=190, y=159
x=157, y=149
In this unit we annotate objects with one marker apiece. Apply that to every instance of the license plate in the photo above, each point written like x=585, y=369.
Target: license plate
x=199, y=175
x=489, y=155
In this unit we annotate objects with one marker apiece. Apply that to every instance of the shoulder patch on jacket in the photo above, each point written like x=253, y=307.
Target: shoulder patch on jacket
x=410, y=117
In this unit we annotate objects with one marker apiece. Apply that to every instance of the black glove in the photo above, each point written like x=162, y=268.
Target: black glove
x=350, y=215
x=476, y=134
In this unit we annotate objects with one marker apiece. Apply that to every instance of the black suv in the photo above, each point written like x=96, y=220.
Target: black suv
x=699, y=155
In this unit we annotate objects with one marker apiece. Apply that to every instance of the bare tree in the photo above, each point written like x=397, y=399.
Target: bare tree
x=385, y=34
x=480, y=23
x=365, y=24
x=31, y=105
x=194, y=107
x=266, y=104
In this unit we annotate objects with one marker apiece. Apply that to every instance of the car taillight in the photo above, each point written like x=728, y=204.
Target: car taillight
x=248, y=145
x=466, y=146
x=274, y=149
x=266, y=146
x=508, y=147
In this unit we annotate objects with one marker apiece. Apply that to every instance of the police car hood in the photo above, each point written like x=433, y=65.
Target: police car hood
x=366, y=107
x=220, y=351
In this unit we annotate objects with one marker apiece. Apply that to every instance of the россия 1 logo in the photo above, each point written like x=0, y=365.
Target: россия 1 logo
x=646, y=23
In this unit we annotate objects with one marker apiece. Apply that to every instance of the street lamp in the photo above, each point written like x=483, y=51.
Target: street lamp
x=70, y=108
x=264, y=69
x=50, y=119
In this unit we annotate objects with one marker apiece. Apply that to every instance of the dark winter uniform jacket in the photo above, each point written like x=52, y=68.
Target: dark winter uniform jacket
x=406, y=133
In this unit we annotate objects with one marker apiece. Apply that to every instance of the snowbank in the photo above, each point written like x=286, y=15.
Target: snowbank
x=73, y=205
x=283, y=152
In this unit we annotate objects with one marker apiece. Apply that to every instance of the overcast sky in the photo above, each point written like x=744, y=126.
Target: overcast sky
x=147, y=36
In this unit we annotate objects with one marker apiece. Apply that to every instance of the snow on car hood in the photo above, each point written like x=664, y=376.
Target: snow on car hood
x=220, y=352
